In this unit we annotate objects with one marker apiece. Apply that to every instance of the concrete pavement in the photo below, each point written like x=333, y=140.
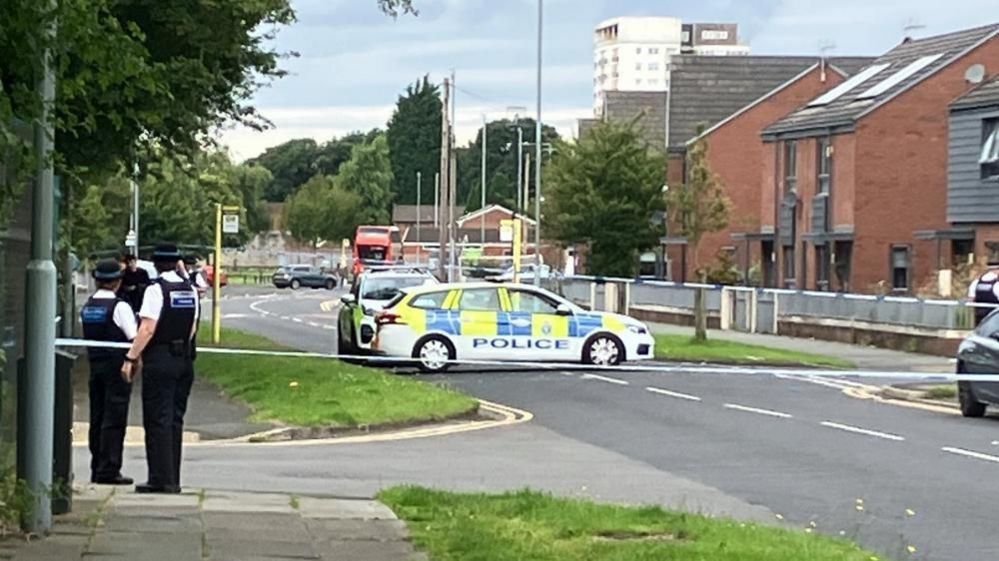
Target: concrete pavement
x=219, y=526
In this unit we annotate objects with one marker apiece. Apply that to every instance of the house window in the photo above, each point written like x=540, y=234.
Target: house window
x=638, y=66
x=653, y=50
x=824, y=165
x=638, y=50
x=842, y=255
x=790, y=165
x=654, y=66
x=789, y=266
x=901, y=265
x=638, y=81
x=990, y=149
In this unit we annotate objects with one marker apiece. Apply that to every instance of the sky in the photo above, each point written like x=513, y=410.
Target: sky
x=353, y=61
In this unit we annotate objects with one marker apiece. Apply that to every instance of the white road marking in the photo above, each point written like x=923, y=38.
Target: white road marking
x=314, y=324
x=758, y=411
x=605, y=379
x=329, y=327
x=285, y=318
x=297, y=320
x=971, y=454
x=567, y=373
x=669, y=393
x=235, y=316
x=867, y=432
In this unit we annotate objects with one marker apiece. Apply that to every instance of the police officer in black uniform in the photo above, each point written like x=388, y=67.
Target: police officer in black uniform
x=168, y=318
x=106, y=317
x=985, y=290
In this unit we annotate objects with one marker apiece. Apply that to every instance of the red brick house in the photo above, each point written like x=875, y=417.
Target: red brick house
x=735, y=151
x=854, y=174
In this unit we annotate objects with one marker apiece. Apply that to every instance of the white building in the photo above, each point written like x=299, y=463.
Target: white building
x=633, y=53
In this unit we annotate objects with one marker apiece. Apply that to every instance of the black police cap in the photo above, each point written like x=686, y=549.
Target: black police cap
x=107, y=269
x=166, y=252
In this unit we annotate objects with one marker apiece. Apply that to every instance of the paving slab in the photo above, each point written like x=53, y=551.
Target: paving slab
x=363, y=530
x=343, y=509
x=218, y=526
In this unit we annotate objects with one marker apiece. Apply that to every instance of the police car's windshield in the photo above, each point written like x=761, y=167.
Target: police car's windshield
x=388, y=287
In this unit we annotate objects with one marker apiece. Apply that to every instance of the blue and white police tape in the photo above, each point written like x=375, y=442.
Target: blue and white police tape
x=654, y=367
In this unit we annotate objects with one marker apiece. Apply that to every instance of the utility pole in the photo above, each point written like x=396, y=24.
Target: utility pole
x=526, y=197
x=36, y=407
x=443, y=178
x=452, y=185
x=520, y=170
x=537, y=157
x=437, y=199
x=482, y=222
x=419, y=209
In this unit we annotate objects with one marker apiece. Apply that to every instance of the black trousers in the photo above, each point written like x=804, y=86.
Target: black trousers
x=166, y=385
x=109, y=397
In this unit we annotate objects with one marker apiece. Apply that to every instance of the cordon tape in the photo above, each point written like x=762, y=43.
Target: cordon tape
x=681, y=368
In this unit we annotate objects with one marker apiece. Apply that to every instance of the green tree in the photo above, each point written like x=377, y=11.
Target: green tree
x=699, y=207
x=250, y=180
x=414, y=140
x=501, y=163
x=369, y=174
x=321, y=210
x=290, y=164
x=604, y=190
x=333, y=154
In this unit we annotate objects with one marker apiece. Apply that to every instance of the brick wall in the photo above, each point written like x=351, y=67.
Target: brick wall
x=901, y=171
x=736, y=152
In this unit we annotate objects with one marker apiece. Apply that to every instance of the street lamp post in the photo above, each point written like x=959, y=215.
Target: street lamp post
x=482, y=221
x=537, y=167
x=36, y=406
x=419, y=237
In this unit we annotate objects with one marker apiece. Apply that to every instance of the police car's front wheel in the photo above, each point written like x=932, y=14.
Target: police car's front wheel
x=603, y=350
x=433, y=354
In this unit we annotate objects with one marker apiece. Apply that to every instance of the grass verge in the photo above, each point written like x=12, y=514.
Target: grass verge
x=316, y=392
x=684, y=348
x=536, y=526
x=945, y=392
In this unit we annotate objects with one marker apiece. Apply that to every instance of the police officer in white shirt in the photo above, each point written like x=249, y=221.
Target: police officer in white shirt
x=985, y=290
x=106, y=317
x=168, y=318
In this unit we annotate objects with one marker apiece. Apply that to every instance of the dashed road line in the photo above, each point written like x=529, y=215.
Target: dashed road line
x=329, y=327
x=600, y=378
x=669, y=393
x=859, y=430
x=285, y=318
x=971, y=454
x=758, y=411
x=297, y=320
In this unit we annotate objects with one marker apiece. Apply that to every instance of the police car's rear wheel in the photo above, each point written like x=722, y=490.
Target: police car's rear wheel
x=296, y=284
x=434, y=353
x=603, y=350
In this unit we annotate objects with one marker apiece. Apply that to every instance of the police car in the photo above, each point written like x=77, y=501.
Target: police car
x=488, y=321
x=370, y=292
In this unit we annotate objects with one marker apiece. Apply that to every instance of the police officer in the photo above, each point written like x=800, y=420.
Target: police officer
x=168, y=318
x=134, y=283
x=985, y=290
x=106, y=317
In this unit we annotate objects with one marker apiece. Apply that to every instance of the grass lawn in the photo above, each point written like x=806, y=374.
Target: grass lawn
x=321, y=392
x=529, y=525
x=684, y=348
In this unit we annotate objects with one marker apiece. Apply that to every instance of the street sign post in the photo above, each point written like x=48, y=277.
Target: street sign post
x=226, y=221
x=510, y=231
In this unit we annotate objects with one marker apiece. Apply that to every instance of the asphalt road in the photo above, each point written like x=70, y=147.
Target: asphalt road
x=757, y=446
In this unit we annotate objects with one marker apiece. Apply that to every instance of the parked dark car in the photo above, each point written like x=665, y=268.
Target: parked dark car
x=979, y=354
x=297, y=276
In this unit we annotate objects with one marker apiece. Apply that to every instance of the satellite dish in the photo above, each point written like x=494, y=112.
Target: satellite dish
x=975, y=74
